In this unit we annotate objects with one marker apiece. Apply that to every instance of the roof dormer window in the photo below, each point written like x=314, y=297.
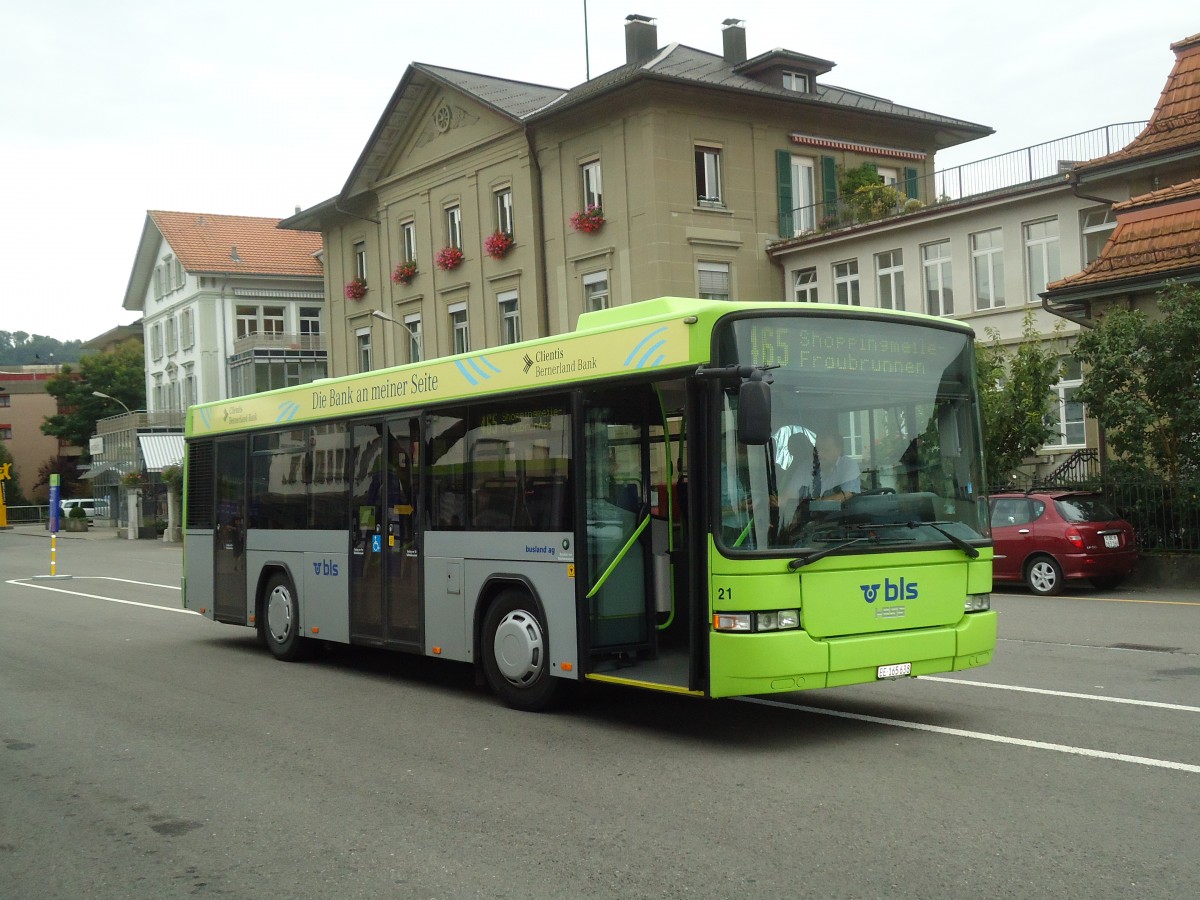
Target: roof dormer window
x=796, y=81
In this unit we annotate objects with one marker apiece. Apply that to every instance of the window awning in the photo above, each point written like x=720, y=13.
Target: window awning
x=97, y=469
x=161, y=450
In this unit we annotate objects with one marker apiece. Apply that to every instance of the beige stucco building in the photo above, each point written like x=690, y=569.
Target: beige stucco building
x=698, y=161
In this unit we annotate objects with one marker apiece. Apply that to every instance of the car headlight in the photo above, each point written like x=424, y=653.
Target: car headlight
x=773, y=620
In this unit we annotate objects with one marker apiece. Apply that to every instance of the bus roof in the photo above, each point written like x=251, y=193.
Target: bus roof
x=625, y=340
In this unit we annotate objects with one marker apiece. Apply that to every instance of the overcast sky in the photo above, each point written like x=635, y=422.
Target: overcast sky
x=255, y=107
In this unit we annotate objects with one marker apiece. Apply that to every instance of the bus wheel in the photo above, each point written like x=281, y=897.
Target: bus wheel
x=514, y=654
x=282, y=630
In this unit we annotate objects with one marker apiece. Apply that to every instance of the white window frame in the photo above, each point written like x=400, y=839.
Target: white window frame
x=245, y=320
x=416, y=348
x=709, y=275
x=804, y=285
x=846, y=290
x=408, y=240
x=1096, y=226
x=708, y=176
x=360, y=259
x=796, y=81
x=453, y=216
x=310, y=320
x=804, y=198
x=1062, y=399
x=274, y=320
x=460, y=328
x=363, y=348
x=1042, y=259
x=596, y=294
x=510, y=316
x=889, y=278
x=987, y=265
x=593, y=185
x=938, y=278
x=504, y=211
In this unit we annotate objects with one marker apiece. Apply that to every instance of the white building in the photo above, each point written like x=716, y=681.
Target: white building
x=230, y=305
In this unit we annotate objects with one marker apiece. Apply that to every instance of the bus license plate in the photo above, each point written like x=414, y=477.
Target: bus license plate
x=1111, y=541
x=899, y=670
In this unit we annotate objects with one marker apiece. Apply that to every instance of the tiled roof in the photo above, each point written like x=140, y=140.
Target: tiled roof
x=1175, y=122
x=245, y=245
x=1157, y=235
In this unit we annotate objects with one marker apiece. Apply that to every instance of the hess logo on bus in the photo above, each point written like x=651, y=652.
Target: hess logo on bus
x=901, y=590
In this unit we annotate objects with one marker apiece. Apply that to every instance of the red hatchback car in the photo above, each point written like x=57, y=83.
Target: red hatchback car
x=1047, y=538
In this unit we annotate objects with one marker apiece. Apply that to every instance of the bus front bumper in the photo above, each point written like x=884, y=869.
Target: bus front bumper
x=777, y=662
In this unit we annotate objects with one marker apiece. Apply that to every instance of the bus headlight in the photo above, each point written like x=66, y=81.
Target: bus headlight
x=774, y=620
x=978, y=603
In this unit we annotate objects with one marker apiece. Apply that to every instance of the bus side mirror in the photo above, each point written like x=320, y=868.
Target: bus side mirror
x=754, y=412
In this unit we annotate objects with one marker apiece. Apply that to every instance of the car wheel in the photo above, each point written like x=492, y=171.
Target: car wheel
x=1107, y=582
x=515, y=661
x=282, y=614
x=1043, y=575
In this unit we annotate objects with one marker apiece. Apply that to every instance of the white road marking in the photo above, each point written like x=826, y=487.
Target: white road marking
x=1031, y=690
x=44, y=587
x=169, y=587
x=982, y=736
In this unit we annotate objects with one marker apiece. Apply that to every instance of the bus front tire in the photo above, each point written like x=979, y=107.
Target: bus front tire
x=281, y=612
x=515, y=662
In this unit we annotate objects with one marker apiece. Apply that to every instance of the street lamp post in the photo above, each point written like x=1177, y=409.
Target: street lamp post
x=112, y=398
x=120, y=504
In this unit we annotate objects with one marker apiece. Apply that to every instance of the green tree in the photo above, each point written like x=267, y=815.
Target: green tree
x=1015, y=398
x=1142, y=382
x=120, y=373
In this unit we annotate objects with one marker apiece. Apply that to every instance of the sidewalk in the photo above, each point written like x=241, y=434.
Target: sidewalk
x=110, y=533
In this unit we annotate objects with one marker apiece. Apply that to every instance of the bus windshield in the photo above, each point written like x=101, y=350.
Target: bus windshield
x=875, y=437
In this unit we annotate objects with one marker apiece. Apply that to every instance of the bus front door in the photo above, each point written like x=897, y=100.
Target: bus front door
x=384, y=557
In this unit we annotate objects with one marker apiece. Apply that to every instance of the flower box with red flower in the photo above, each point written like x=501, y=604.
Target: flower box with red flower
x=498, y=244
x=405, y=272
x=448, y=258
x=356, y=288
x=588, y=220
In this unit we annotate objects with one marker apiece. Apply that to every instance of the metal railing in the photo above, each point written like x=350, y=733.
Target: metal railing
x=1047, y=161
x=28, y=515
x=308, y=343
x=140, y=420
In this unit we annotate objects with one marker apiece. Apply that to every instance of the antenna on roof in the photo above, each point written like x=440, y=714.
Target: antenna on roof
x=587, y=59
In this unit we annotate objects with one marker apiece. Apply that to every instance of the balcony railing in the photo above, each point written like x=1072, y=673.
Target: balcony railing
x=308, y=343
x=996, y=174
x=140, y=421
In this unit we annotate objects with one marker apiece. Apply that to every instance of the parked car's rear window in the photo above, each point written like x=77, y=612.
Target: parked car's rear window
x=1085, y=509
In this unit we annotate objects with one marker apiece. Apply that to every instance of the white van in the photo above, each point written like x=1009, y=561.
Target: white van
x=90, y=506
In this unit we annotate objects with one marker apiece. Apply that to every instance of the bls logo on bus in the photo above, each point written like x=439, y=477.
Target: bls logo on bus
x=325, y=567
x=904, y=590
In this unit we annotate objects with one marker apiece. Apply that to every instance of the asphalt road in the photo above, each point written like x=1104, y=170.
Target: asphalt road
x=146, y=752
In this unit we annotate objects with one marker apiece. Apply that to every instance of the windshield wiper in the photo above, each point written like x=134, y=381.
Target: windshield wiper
x=821, y=554
x=972, y=552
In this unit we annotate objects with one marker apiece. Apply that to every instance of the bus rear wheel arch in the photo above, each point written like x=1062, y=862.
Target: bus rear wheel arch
x=513, y=645
x=279, y=623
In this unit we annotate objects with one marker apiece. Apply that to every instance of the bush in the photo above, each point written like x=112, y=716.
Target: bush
x=77, y=512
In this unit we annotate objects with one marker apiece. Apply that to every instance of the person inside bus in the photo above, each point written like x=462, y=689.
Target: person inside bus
x=796, y=483
x=835, y=475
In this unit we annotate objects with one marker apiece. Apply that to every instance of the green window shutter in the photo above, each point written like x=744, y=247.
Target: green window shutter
x=829, y=187
x=912, y=183
x=783, y=179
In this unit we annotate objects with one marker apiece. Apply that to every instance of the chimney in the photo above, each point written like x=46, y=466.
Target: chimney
x=641, y=38
x=733, y=37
